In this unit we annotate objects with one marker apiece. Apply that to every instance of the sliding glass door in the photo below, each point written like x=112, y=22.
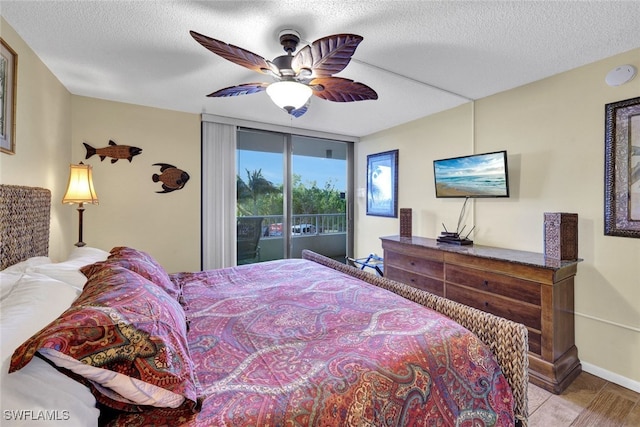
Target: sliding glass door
x=292, y=194
x=318, y=196
x=261, y=172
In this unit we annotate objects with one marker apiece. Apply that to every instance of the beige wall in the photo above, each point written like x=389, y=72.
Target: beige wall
x=553, y=131
x=131, y=212
x=43, y=136
x=52, y=124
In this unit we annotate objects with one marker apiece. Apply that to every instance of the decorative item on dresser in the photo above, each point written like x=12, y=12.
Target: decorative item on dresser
x=406, y=222
x=561, y=235
x=525, y=287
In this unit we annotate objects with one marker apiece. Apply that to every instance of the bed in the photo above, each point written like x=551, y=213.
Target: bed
x=118, y=341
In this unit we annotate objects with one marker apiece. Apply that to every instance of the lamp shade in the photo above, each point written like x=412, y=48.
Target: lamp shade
x=288, y=94
x=80, y=188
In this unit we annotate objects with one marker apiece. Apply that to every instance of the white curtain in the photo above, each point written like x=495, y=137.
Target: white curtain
x=218, y=195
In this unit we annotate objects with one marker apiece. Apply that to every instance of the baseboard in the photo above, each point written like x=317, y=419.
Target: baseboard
x=611, y=376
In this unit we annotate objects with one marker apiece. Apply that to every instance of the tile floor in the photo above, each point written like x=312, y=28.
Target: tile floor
x=589, y=401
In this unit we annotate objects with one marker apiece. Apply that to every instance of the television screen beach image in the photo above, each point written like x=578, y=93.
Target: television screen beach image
x=478, y=175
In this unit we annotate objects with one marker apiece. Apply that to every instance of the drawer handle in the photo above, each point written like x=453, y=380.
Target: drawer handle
x=413, y=280
x=486, y=283
x=412, y=263
x=486, y=303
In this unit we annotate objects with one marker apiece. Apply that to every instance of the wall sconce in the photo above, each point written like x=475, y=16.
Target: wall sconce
x=80, y=190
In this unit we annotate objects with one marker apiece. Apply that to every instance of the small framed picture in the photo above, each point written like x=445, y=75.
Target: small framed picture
x=382, y=184
x=8, y=76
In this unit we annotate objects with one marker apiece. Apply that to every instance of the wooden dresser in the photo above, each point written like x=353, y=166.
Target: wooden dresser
x=522, y=286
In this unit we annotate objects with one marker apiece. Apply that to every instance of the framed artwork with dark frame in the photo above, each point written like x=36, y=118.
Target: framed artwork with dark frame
x=8, y=76
x=622, y=168
x=382, y=184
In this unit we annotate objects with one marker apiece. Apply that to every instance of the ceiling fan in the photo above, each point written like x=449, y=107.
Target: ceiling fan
x=309, y=72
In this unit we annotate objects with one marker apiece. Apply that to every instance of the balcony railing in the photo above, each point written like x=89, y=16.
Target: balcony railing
x=308, y=224
x=325, y=234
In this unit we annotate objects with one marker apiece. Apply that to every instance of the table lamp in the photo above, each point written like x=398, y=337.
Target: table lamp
x=80, y=190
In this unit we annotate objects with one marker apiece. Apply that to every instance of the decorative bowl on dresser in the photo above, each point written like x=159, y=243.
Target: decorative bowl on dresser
x=525, y=287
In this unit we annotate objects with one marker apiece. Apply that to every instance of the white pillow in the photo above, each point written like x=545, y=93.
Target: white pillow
x=69, y=271
x=8, y=281
x=22, y=266
x=10, y=275
x=39, y=389
x=88, y=252
x=34, y=302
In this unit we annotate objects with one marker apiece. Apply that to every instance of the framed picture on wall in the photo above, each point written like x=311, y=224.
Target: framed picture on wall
x=622, y=169
x=8, y=75
x=382, y=184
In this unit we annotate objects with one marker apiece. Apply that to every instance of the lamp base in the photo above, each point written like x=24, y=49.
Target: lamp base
x=80, y=212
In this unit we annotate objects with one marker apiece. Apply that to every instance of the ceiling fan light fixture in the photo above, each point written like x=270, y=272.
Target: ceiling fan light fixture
x=289, y=95
x=309, y=72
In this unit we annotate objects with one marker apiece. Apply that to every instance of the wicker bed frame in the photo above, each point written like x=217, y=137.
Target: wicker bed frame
x=25, y=214
x=24, y=232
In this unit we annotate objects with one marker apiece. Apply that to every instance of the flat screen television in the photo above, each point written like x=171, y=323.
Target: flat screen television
x=478, y=175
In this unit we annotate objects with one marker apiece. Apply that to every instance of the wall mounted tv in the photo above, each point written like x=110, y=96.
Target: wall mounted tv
x=478, y=175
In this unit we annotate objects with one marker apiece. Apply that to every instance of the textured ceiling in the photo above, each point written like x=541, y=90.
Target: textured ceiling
x=420, y=56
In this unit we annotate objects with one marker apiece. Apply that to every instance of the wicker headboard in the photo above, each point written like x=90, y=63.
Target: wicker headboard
x=25, y=214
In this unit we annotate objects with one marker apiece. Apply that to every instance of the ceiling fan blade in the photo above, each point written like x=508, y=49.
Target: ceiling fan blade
x=243, y=89
x=235, y=54
x=328, y=55
x=300, y=111
x=338, y=89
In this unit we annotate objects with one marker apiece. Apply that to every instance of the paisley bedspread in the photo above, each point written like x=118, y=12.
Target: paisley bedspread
x=293, y=343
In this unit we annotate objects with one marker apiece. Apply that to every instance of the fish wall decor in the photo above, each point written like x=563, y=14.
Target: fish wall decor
x=113, y=150
x=171, y=177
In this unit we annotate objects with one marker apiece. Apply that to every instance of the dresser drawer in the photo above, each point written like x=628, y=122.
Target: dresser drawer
x=429, y=267
x=500, y=284
x=527, y=314
x=535, y=342
x=412, y=250
x=426, y=283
